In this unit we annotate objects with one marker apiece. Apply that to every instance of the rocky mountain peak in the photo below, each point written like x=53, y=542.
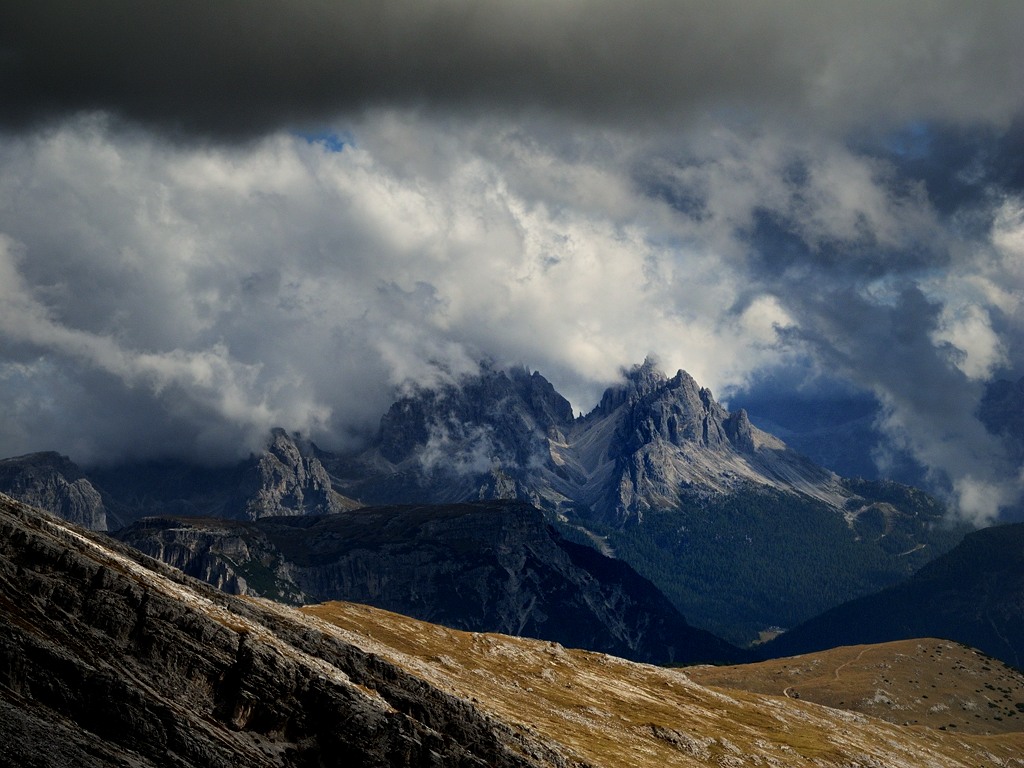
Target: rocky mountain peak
x=646, y=376
x=653, y=439
x=51, y=481
x=639, y=382
x=509, y=434
x=545, y=401
x=494, y=417
x=676, y=410
x=286, y=479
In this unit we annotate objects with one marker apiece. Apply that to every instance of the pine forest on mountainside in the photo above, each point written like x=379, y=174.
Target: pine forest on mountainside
x=740, y=564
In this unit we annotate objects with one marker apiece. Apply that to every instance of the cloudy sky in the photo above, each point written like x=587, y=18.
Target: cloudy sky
x=220, y=217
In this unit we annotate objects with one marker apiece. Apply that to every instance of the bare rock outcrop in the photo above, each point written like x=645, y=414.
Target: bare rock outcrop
x=54, y=483
x=285, y=480
x=110, y=658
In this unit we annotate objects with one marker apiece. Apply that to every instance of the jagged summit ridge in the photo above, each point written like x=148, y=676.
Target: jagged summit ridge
x=670, y=435
x=675, y=409
x=502, y=412
x=496, y=434
x=510, y=434
x=640, y=381
x=483, y=438
x=285, y=478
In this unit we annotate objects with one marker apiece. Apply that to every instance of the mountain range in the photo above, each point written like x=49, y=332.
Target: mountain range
x=741, y=533
x=649, y=442
x=108, y=657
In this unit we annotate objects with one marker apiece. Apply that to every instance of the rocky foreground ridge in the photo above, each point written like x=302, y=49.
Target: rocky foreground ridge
x=110, y=658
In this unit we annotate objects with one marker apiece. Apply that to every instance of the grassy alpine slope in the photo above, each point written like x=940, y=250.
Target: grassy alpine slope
x=604, y=711
x=936, y=683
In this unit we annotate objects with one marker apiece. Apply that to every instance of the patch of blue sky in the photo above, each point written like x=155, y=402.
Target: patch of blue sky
x=332, y=141
x=911, y=142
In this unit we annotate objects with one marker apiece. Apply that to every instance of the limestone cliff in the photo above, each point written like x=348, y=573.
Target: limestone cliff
x=284, y=480
x=53, y=482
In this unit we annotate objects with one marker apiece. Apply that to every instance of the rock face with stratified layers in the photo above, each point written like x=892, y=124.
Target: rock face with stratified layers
x=110, y=658
x=55, y=483
x=284, y=480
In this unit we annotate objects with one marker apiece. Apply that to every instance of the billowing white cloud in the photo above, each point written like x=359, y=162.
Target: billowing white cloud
x=974, y=347
x=297, y=284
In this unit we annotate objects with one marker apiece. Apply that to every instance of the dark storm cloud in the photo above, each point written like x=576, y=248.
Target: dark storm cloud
x=927, y=400
x=961, y=169
x=247, y=66
x=921, y=320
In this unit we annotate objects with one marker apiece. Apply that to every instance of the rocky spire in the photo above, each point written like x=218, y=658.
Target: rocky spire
x=284, y=480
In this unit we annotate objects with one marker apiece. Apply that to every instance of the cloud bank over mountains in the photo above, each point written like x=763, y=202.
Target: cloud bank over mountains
x=215, y=219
